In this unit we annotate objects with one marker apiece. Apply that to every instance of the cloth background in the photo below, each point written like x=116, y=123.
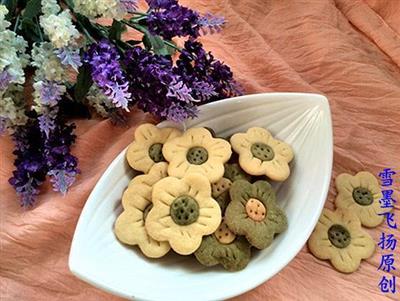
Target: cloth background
x=348, y=50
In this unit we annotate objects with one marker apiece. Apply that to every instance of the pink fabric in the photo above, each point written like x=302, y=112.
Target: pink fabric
x=348, y=50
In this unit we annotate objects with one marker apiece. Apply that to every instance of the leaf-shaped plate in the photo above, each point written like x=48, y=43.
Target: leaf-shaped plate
x=302, y=120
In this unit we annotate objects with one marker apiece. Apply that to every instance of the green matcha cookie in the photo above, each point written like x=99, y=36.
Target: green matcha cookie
x=253, y=213
x=224, y=248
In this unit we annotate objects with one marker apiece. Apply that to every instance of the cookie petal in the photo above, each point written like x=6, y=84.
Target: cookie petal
x=276, y=169
x=129, y=227
x=344, y=262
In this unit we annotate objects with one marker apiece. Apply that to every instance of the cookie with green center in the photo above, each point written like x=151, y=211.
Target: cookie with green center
x=225, y=248
x=261, y=154
x=339, y=237
x=196, y=151
x=253, y=212
x=183, y=212
x=361, y=194
x=146, y=149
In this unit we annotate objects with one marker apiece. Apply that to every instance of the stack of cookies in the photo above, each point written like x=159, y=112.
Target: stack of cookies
x=196, y=196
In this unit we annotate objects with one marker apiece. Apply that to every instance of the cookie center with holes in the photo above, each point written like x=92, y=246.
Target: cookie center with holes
x=262, y=151
x=256, y=210
x=184, y=210
x=339, y=236
x=197, y=155
x=362, y=196
x=155, y=152
x=224, y=235
x=146, y=211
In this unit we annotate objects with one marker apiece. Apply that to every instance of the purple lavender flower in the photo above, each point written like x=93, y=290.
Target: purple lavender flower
x=155, y=88
x=203, y=90
x=164, y=4
x=5, y=79
x=129, y=5
x=196, y=65
x=37, y=156
x=107, y=73
x=61, y=165
x=180, y=91
x=210, y=23
x=176, y=21
x=30, y=162
x=176, y=112
x=28, y=191
x=61, y=179
x=47, y=121
x=119, y=95
x=69, y=57
x=50, y=93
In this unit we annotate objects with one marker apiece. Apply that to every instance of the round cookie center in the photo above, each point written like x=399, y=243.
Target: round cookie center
x=262, y=151
x=362, y=196
x=155, y=152
x=146, y=211
x=339, y=236
x=197, y=155
x=224, y=235
x=256, y=210
x=184, y=210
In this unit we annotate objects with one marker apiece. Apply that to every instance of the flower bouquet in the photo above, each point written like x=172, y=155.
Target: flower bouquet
x=57, y=61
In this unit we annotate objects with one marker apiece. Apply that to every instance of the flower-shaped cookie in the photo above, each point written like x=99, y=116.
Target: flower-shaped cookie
x=183, y=212
x=253, y=213
x=223, y=247
x=136, y=201
x=261, y=154
x=146, y=149
x=360, y=194
x=197, y=151
x=220, y=192
x=339, y=237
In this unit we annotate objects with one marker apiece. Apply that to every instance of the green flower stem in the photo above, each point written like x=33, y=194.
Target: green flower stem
x=139, y=13
x=16, y=23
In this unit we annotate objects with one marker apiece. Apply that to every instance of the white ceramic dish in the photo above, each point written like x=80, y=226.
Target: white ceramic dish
x=303, y=120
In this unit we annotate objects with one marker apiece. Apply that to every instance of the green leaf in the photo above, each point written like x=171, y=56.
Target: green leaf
x=116, y=29
x=155, y=43
x=32, y=9
x=83, y=83
x=30, y=29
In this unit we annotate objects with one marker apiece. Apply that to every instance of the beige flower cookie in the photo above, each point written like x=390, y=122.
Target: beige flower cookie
x=261, y=154
x=360, y=194
x=146, y=149
x=183, y=212
x=196, y=151
x=339, y=237
x=136, y=201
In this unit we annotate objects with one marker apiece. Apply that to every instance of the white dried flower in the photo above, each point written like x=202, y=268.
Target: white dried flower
x=59, y=29
x=47, y=63
x=102, y=8
x=50, y=7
